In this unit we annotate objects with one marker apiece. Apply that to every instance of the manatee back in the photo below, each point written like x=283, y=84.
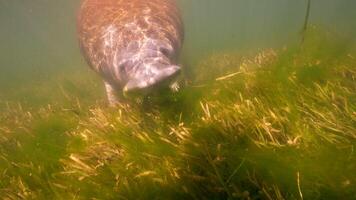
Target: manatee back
x=109, y=29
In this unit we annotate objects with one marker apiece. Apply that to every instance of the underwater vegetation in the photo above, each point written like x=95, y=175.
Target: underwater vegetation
x=279, y=124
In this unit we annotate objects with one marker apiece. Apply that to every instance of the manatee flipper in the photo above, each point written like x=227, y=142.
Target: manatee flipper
x=111, y=94
x=174, y=86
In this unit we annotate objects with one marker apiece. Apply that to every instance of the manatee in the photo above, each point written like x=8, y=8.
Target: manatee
x=133, y=45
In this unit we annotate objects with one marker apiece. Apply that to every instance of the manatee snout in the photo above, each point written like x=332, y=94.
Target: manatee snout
x=151, y=78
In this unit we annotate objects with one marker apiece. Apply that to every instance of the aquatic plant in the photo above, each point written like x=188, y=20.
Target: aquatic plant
x=306, y=21
x=276, y=125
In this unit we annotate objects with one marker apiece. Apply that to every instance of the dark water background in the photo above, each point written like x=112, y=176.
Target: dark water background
x=38, y=37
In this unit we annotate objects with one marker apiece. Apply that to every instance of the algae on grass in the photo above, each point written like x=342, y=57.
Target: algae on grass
x=31, y=145
x=277, y=125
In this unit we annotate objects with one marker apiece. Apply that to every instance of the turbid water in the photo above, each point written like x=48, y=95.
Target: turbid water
x=262, y=115
x=39, y=36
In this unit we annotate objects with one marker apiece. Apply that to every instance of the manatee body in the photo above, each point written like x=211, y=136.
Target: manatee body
x=133, y=44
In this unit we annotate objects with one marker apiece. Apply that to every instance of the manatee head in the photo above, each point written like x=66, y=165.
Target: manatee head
x=150, y=76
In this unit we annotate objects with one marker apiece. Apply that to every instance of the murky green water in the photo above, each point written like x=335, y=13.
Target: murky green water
x=39, y=39
x=39, y=36
x=284, y=133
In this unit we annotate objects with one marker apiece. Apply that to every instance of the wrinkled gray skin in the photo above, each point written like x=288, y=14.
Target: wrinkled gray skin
x=133, y=45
